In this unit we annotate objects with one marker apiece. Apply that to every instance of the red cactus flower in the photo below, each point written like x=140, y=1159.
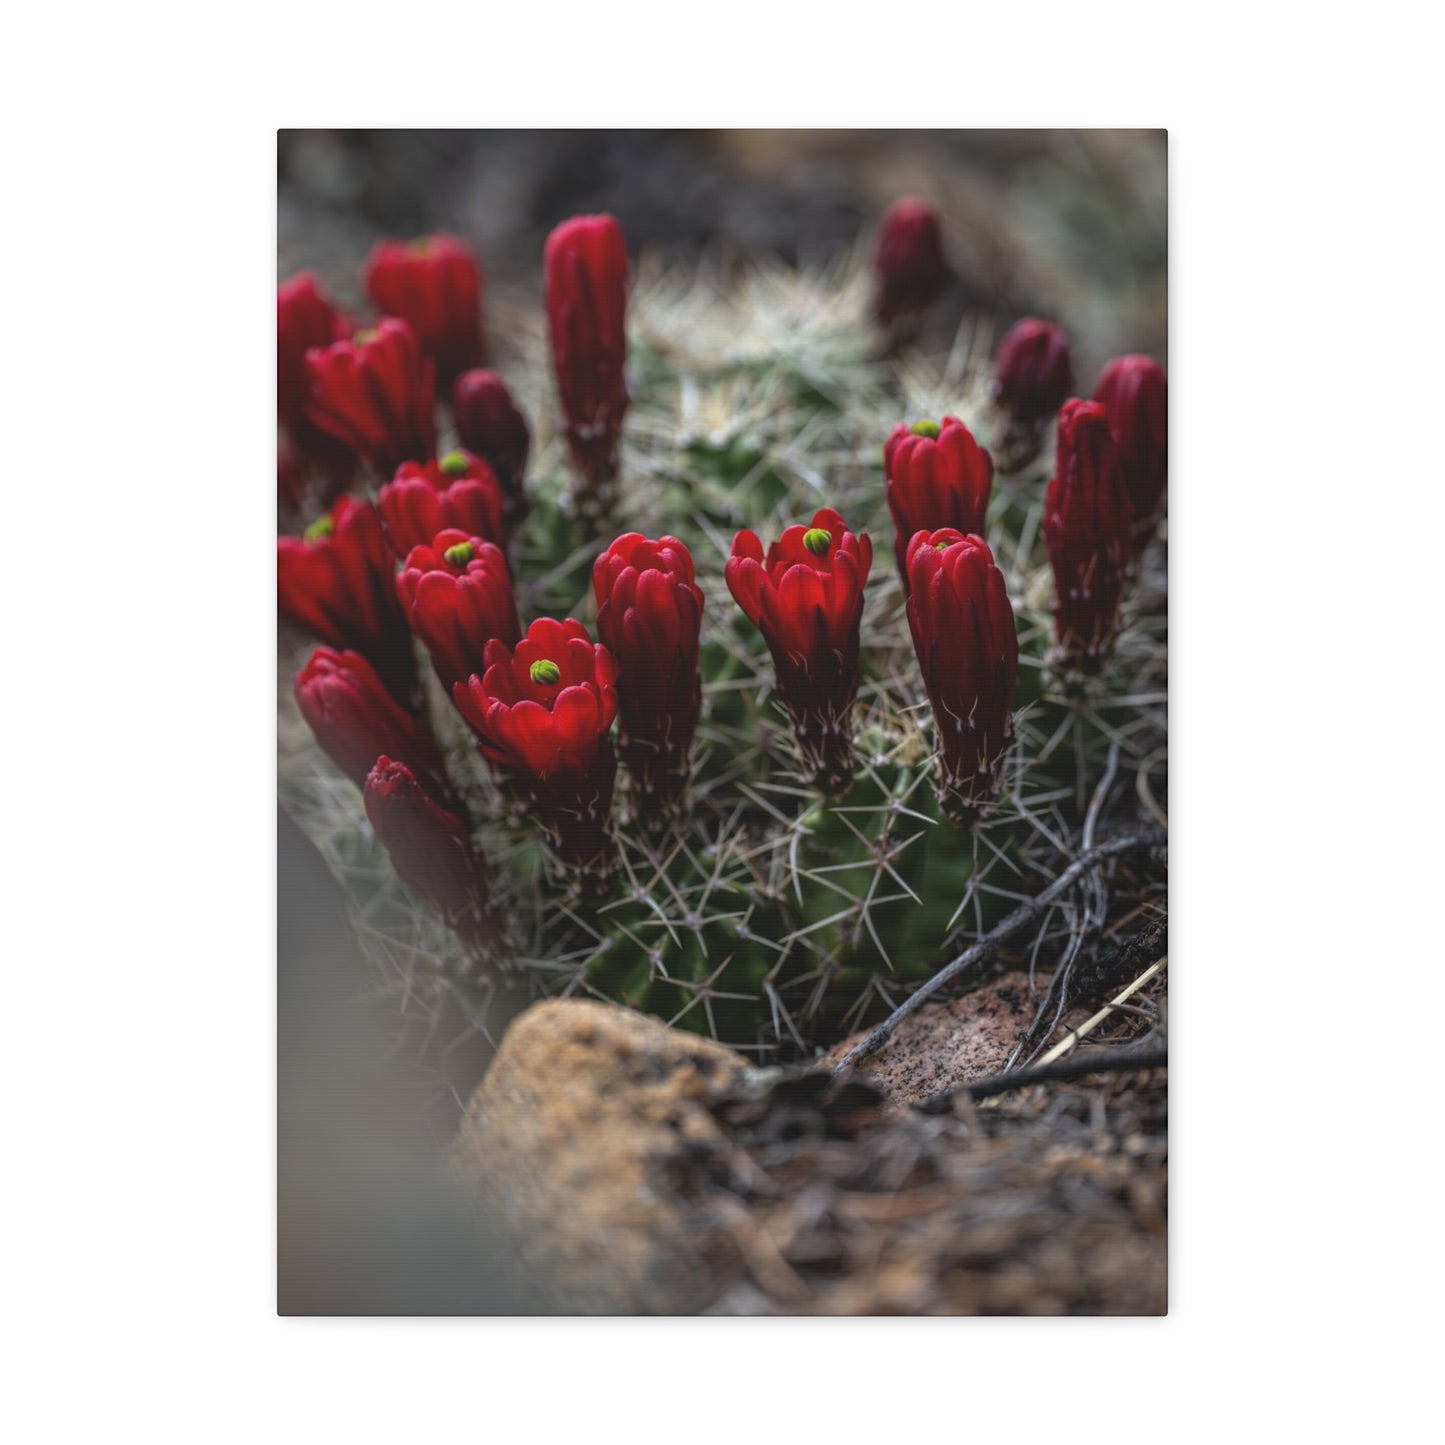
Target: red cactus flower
x=934, y=477
x=459, y=491
x=968, y=650
x=457, y=594
x=435, y=286
x=356, y=721
x=909, y=265
x=336, y=582
x=543, y=712
x=586, y=275
x=376, y=394
x=649, y=617
x=490, y=425
x=305, y=318
x=1133, y=391
x=1034, y=371
x=806, y=599
x=1088, y=520
x=431, y=850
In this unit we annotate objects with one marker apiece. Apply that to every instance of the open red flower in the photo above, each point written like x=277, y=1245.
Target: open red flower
x=1088, y=521
x=457, y=594
x=490, y=425
x=337, y=583
x=458, y=491
x=356, y=721
x=586, y=283
x=543, y=713
x=431, y=850
x=909, y=265
x=968, y=651
x=649, y=617
x=806, y=598
x=934, y=476
x=376, y=394
x=1135, y=394
x=306, y=318
x=1034, y=370
x=435, y=286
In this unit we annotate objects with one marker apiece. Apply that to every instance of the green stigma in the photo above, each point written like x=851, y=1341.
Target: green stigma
x=925, y=429
x=942, y=546
x=459, y=555
x=817, y=540
x=362, y=337
x=321, y=527
x=546, y=673
x=454, y=464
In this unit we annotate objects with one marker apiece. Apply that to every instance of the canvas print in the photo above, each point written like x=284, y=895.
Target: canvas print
x=722, y=722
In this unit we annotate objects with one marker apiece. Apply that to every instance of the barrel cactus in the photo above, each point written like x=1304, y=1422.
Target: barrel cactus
x=823, y=791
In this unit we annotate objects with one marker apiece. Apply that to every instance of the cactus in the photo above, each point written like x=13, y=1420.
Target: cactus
x=760, y=911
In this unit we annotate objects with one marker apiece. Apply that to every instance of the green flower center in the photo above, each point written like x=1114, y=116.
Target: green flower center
x=925, y=429
x=459, y=555
x=545, y=673
x=321, y=527
x=454, y=464
x=817, y=540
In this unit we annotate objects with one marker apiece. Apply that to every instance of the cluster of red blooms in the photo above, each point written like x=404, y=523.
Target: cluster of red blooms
x=350, y=397
x=1110, y=475
x=429, y=559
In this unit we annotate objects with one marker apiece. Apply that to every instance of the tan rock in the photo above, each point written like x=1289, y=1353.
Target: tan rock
x=563, y=1142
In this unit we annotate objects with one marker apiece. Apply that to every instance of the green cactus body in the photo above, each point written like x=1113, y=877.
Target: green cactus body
x=760, y=913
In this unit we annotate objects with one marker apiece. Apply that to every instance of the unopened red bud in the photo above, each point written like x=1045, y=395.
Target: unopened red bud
x=1034, y=370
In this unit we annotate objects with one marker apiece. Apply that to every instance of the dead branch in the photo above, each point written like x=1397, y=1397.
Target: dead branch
x=875, y=1040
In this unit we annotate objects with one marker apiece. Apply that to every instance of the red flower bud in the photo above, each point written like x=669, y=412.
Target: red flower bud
x=431, y=850
x=305, y=318
x=375, y=393
x=806, y=599
x=457, y=595
x=435, y=286
x=337, y=583
x=649, y=617
x=490, y=425
x=543, y=713
x=459, y=491
x=1034, y=370
x=586, y=275
x=934, y=477
x=968, y=650
x=1133, y=391
x=909, y=264
x=356, y=721
x=1087, y=524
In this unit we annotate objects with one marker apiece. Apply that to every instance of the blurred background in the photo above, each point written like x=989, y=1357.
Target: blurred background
x=1071, y=225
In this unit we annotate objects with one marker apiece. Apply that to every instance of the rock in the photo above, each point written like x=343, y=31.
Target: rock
x=563, y=1147
x=945, y=1045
